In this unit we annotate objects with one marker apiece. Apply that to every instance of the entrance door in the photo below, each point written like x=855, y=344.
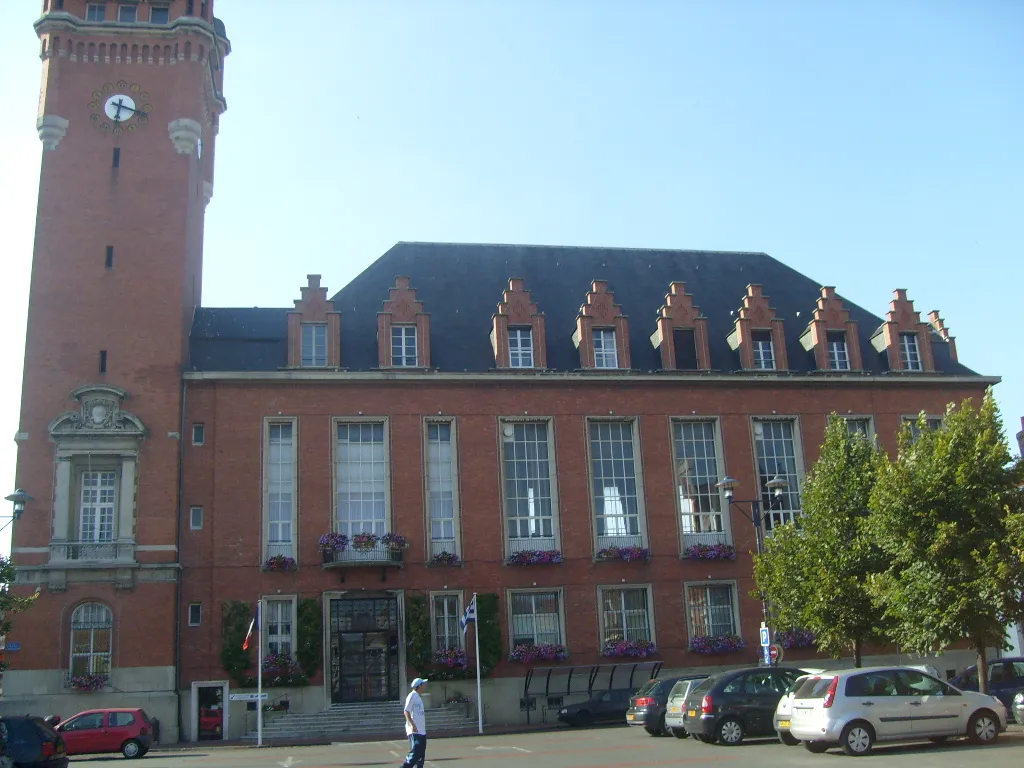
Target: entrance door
x=364, y=649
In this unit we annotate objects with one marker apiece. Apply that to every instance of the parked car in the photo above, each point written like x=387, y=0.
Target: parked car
x=211, y=722
x=728, y=707
x=856, y=708
x=675, y=703
x=784, y=710
x=1005, y=679
x=648, y=705
x=29, y=742
x=605, y=706
x=1018, y=707
x=128, y=731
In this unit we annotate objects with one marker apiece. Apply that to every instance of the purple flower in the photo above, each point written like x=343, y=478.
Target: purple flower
x=280, y=563
x=634, y=648
x=713, y=644
x=88, y=683
x=535, y=557
x=454, y=658
x=394, y=541
x=624, y=553
x=796, y=638
x=526, y=653
x=444, y=558
x=333, y=542
x=710, y=552
x=365, y=540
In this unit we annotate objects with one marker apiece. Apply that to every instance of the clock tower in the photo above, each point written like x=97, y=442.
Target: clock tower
x=128, y=116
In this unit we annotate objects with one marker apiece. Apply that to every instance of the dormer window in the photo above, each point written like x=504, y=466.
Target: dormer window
x=314, y=345
x=520, y=347
x=838, y=352
x=757, y=335
x=910, y=354
x=764, y=352
x=605, y=350
x=95, y=12
x=127, y=14
x=403, y=346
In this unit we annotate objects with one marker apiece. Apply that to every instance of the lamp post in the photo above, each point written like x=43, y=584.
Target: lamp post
x=18, y=499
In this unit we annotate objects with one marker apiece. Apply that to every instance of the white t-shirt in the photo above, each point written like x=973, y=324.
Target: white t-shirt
x=414, y=706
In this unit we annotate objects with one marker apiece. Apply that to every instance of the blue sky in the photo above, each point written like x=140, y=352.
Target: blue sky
x=870, y=145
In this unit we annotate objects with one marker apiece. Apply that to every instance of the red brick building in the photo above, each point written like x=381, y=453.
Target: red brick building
x=482, y=401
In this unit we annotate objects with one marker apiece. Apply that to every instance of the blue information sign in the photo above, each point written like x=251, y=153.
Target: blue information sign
x=766, y=637
x=14, y=646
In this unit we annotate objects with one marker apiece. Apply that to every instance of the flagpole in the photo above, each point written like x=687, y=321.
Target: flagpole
x=476, y=640
x=259, y=673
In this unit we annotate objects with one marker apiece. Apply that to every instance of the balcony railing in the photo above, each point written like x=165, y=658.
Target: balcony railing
x=93, y=551
x=437, y=546
x=378, y=554
x=708, y=539
x=622, y=542
x=275, y=548
x=544, y=544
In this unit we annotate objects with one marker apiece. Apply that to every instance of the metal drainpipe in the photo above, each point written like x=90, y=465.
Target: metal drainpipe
x=178, y=534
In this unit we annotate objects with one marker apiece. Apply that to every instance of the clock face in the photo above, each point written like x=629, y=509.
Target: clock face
x=119, y=107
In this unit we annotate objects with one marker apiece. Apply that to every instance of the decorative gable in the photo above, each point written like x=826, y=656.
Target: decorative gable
x=322, y=335
x=517, y=311
x=99, y=415
x=403, y=329
x=757, y=318
x=940, y=328
x=903, y=321
x=832, y=317
x=600, y=313
x=682, y=333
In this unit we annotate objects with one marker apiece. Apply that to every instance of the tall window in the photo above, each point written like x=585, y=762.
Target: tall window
x=92, y=627
x=838, y=353
x=362, y=479
x=528, y=498
x=314, y=345
x=98, y=506
x=441, y=488
x=776, y=453
x=95, y=12
x=764, y=352
x=606, y=354
x=535, y=618
x=280, y=489
x=859, y=426
x=910, y=354
x=700, y=503
x=520, y=347
x=625, y=615
x=280, y=636
x=711, y=609
x=614, y=483
x=931, y=422
x=403, y=346
x=447, y=631
x=127, y=13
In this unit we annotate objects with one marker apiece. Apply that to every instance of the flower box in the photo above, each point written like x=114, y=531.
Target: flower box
x=280, y=670
x=280, y=563
x=87, y=683
x=444, y=558
x=535, y=557
x=630, y=648
x=710, y=552
x=365, y=540
x=394, y=541
x=452, y=658
x=526, y=653
x=626, y=554
x=333, y=542
x=796, y=638
x=715, y=644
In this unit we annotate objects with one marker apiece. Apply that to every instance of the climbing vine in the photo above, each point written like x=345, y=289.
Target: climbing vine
x=235, y=618
x=310, y=641
x=418, y=641
x=489, y=628
x=417, y=634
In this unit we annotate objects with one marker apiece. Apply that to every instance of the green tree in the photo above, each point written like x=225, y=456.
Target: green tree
x=815, y=575
x=10, y=604
x=944, y=511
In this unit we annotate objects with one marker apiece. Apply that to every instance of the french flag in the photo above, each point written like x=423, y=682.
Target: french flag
x=254, y=626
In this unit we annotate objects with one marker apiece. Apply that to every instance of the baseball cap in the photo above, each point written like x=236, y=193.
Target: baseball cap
x=418, y=682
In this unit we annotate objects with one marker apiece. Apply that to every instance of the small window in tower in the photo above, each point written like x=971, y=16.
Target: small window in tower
x=103, y=361
x=195, y=518
x=117, y=158
x=195, y=614
x=127, y=14
x=159, y=15
x=198, y=434
x=110, y=257
x=95, y=12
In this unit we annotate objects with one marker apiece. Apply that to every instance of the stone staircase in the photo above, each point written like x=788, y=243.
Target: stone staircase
x=350, y=722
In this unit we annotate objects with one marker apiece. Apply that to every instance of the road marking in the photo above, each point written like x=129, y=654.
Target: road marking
x=517, y=749
x=289, y=762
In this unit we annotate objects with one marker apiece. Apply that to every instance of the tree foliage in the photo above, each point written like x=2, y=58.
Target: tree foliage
x=10, y=604
x=946, y=512
x=815, y=575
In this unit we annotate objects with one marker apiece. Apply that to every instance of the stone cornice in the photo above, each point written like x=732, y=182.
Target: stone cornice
x=61, y=21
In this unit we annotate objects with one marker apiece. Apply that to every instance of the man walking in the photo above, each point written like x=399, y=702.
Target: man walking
x=416, y=725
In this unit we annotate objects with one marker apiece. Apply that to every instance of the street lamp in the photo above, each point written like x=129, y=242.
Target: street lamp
x=18, y=499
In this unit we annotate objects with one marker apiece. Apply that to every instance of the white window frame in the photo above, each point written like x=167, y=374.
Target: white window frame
x=559, y=594
x=520, y=346
x=402, y=334
x=105, y=659
x=910, y=355
x=384, y=525
x=516, y=544
x=91, y=8
x=195, y=518
x=195, y=614
x=288, y=547
x=854, y=418
x=122, y=7
x=689, y=523
x=624, y=539
x=649, y=598
x=691, y=629
x=838, y=352
x=441, y=544
x=265, y=621
x=109, y=480
x=313, y=345
x=606, y=355
x=778, y=515
x=459, y=608
x=763, y=361
x=199, y=434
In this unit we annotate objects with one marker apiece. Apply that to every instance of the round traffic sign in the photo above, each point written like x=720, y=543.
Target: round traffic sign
x=775, y=652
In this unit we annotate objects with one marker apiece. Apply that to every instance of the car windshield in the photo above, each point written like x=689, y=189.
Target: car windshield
x=651, y=686
x=678, y=689
x=796, y=684
x=703, y=686
x=813, y=688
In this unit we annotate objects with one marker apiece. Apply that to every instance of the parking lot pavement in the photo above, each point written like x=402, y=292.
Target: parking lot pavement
x=611, y=747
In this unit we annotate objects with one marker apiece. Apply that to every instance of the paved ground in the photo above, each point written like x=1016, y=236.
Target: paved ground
x=610, y=747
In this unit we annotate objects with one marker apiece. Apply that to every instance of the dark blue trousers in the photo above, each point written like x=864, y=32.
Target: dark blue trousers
x=417, y=750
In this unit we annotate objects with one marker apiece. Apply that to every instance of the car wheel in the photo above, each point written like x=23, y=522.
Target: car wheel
x=662, y=728
x=131, y=748
x=983, y=727
x=679, y=733
x=730, y=732
x=857, y=738
x=788, y=739
x=817, y=747
x=651, y=731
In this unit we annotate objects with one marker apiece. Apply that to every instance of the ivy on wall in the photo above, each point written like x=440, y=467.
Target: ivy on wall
x=235, y=618
x=417, y=634
x=309, y=649
x=418, y=640
x=489, y=628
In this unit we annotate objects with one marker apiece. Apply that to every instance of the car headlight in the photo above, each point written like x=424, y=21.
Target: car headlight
x=563, y=711
x=1018, y=700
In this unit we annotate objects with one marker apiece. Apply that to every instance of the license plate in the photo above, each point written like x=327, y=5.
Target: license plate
x=631, y=717
x=673, y=709
x=691, y=713
x=783, y=723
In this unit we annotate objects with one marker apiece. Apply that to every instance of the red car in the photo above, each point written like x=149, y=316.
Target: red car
x=127, y=731
x=211, y=722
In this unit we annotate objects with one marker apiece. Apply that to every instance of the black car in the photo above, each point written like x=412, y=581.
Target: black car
x=29, y=742
x=606, y=706
x=730, y=706
x=648, y=705
x=1005, y=679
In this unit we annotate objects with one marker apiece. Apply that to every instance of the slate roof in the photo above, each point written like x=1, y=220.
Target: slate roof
x=460, y=286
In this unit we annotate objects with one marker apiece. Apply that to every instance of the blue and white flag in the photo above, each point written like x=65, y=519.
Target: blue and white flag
x=469, y=615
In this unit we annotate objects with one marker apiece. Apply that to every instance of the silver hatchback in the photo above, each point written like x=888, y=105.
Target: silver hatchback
x=676, y=704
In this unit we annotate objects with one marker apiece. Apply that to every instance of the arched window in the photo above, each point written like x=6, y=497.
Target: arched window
x=91, y=632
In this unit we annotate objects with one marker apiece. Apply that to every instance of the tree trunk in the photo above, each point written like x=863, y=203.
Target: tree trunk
x=858, y=647
x=979, y=646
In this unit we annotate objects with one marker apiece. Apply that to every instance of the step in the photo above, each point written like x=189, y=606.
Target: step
x=343, y=720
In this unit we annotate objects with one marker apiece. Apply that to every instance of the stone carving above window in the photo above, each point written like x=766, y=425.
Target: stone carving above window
x=99, y=413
